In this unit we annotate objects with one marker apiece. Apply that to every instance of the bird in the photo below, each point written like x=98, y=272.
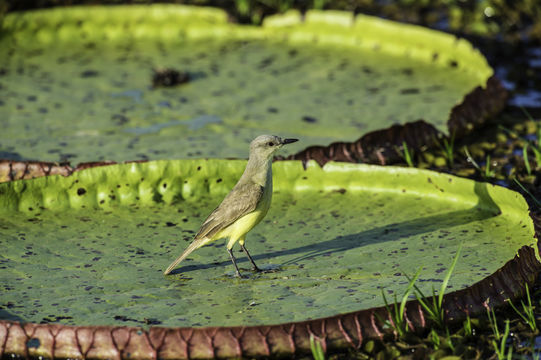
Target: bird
x=245, y=205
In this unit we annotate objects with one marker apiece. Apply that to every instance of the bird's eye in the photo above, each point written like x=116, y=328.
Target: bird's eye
x=270, y=143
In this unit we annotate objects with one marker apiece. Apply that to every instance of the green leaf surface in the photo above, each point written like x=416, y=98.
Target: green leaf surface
x=75, y=83
x=90, y=248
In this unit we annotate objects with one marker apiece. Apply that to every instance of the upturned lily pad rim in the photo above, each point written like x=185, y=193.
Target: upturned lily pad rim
x=336, y=332
x=332, y=27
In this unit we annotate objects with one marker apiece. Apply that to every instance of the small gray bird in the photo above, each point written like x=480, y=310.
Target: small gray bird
x=245, y=206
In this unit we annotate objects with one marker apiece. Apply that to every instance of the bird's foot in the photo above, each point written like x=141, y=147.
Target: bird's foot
x=256, y=269
x=240, y=276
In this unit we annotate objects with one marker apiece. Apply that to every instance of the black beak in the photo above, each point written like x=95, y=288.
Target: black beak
x=289, y=141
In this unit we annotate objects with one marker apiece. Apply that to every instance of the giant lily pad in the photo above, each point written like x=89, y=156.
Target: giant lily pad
x=75, y=83
x=89, y=249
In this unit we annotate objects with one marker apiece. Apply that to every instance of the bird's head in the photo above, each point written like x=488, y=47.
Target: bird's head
x=266, y=145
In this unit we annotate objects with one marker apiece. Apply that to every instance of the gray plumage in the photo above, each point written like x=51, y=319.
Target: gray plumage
x=242, y=199
x=245, y=206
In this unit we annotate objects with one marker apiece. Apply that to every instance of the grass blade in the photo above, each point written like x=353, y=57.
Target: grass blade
x=526, y=161
x=409, y=290
x=448, y=275
x=407, y=154
x=537, y=202
x=527, y=314
x=317, y=349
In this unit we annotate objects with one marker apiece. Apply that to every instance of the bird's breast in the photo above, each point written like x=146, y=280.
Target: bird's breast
x=248, y=221
x=265, y=202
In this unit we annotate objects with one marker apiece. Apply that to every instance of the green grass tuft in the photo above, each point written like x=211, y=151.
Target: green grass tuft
x=527, y=314
x=396, y=313
x=317, y=349
x=434, y=307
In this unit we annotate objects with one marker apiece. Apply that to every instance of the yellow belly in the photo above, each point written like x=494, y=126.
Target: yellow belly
x=238, y=230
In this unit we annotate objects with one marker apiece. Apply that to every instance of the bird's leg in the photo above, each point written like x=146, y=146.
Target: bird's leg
x=255, y=268
x=234, y=262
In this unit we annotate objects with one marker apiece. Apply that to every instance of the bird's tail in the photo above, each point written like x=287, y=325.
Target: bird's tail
x=193, y=246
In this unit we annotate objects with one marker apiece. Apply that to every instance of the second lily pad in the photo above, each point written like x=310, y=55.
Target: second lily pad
x=75, y=83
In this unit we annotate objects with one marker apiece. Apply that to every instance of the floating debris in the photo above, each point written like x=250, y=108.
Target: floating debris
x=166, y=77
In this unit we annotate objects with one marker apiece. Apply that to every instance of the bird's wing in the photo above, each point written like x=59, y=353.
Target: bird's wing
x=242, y=200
